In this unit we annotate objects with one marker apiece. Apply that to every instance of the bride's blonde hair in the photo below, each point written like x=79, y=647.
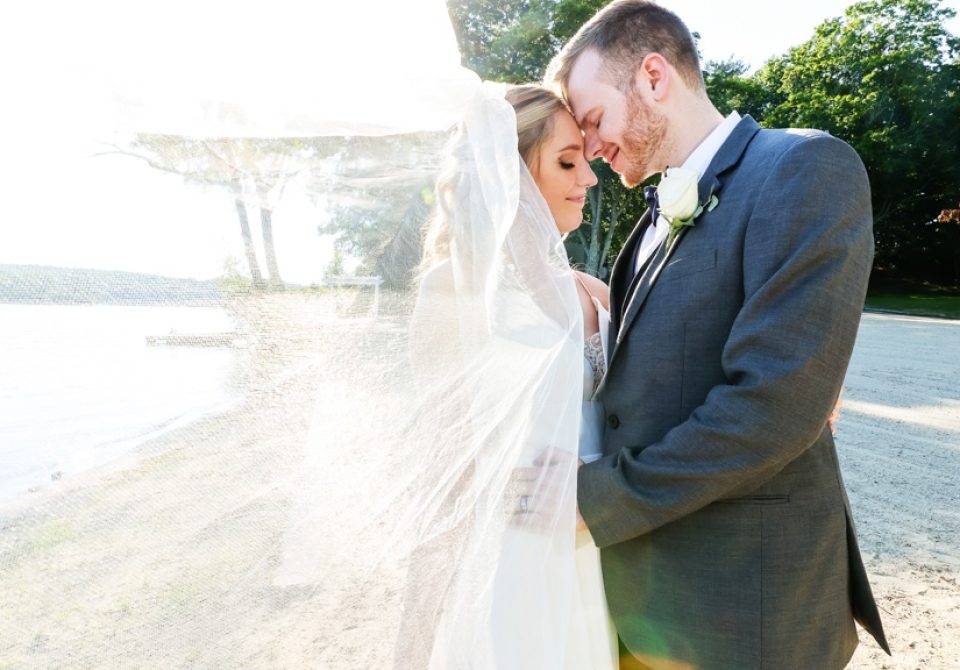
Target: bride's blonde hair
x=535, y=107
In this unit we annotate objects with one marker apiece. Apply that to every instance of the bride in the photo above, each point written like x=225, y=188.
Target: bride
x=496, y=315
x=253, y=537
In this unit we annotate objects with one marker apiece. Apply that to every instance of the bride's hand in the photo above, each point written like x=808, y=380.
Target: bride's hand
x=835, y=414
x=537, y=494
x=581, y=524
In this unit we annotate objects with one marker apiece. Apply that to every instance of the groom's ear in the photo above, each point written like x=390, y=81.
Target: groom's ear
x=653, y=76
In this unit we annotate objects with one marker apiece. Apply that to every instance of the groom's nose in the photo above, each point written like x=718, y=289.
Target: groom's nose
x=593, y=147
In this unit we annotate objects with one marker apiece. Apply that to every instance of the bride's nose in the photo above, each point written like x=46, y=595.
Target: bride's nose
x=586, y=175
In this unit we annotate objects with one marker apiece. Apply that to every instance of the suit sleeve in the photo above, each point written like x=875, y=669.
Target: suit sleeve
x=808, y=249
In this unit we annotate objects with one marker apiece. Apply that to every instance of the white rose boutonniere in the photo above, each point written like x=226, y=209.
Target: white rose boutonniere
x=677, y=197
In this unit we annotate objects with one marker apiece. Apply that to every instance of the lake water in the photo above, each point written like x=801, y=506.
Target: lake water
x=79, y=386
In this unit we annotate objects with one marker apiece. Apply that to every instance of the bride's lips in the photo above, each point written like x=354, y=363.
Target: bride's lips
x=578, y=200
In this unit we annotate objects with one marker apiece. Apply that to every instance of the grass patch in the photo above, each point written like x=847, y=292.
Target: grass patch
x=916, y=304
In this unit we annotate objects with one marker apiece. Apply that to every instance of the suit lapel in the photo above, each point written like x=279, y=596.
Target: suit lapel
x=622, y=273
x=651, y=271
x=710, y=184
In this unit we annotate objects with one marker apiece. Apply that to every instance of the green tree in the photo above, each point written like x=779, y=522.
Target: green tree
x=731, y=88
x=613, y=210
x=886, y=78
x=254, y=171
x=335, y=266
x=513, y=40
x=377, y=193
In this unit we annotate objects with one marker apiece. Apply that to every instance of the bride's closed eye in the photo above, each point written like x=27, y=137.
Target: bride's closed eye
x=567, y=166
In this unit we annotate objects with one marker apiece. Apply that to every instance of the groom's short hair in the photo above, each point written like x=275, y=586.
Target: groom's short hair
x=623, y=33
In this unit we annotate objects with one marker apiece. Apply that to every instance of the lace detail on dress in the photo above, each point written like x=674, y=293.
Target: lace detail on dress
x=593, y=351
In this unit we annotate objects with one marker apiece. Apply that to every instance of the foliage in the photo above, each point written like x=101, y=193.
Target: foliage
x=886, y=78
x=335, y=266
x=613, y=211
x=255, y=171
x=232, y=279
x=377, y=194
x=731, y=88
x=38, y=284
x=513, y=40
x=916, y=303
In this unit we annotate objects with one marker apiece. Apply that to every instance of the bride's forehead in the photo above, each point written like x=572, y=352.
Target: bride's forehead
x=565, y=131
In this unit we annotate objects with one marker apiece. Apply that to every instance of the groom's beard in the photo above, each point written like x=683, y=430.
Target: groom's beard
x=643, y=138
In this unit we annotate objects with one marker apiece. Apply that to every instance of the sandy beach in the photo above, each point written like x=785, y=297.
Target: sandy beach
x=119, y=566
x=166, y=558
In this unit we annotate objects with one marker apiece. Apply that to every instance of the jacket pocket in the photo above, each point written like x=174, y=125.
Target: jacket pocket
x=760, y=499
x=688, y=265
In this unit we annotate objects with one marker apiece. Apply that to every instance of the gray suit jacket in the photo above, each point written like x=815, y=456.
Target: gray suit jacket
x=725, y=532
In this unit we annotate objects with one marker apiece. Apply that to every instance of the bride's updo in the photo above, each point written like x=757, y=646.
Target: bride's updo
x=535, y=107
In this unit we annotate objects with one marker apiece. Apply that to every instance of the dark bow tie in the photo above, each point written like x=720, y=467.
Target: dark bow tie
x=650, y=195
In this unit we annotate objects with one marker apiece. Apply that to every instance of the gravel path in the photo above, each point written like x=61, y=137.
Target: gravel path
x=899, y=443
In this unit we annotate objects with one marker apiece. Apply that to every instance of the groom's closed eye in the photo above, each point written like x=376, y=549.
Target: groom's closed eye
x=591, y=119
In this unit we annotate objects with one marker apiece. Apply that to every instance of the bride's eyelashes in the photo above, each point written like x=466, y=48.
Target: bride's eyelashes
x=567, y=166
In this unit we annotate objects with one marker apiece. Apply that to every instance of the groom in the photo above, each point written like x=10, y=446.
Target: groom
x=726, y=536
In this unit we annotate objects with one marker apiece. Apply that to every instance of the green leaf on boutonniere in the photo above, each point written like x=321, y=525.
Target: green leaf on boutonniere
x=676, y=225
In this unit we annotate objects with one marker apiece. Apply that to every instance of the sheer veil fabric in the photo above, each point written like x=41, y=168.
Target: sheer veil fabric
x=481, y=409
x=388, y=476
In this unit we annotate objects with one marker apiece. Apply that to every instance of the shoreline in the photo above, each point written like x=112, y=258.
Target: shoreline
x=139, y=448
x=82, y=386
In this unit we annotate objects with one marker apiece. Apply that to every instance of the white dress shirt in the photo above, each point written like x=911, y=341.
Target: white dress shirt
x=698, y=160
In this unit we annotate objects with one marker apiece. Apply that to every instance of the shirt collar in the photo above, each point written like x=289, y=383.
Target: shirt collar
x=700, y=159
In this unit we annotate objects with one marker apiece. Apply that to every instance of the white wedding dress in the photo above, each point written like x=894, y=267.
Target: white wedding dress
x=591, y=619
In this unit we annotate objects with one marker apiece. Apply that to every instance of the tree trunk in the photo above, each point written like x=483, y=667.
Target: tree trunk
x=269, y=250
x=255, y=276
x=596, y=209
x=608, y=240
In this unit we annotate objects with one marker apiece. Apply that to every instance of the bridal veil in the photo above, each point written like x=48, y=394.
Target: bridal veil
x=388, y=474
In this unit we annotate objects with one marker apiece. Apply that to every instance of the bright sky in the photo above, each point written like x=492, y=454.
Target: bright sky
x=754, y=31
x=62, y=207
x=274, y=67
